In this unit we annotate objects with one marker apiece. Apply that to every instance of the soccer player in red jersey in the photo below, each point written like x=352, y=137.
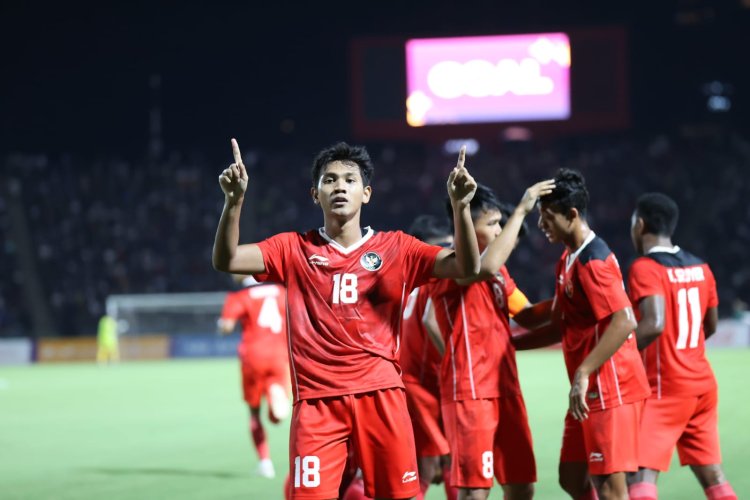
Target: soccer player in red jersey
x=420, y=364
x=263, y=353
x=676, y=299
x=482, y=405
x=346, y=288
x=595, y=321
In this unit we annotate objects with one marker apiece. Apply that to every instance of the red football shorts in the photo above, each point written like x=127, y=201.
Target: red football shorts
x=691, y=423
x=259, y=375
x=378, y=426
x=489, y=438
x=607, y=440
x=424, y=409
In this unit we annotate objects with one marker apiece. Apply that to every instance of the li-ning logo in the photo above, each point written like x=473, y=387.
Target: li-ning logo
x=409, y=476
x=596, y=457
x=371, y=261
x=318, y=260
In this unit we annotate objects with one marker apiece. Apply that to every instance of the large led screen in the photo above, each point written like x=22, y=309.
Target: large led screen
x=509, y=78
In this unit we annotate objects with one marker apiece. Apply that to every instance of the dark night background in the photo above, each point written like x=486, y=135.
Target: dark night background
x=75, y=76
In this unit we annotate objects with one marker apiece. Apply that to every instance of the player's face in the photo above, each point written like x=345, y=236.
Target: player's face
x=340, y=191
x=554, y=225
x=487, y=227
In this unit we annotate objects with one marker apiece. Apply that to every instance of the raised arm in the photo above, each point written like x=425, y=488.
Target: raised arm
x=464, y=261
x=228, y=255
x=651, y=325
x=499, y=250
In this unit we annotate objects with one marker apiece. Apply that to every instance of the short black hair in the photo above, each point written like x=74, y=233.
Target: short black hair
x=570, y=192
x=426, y=227
x=346, y=154
x=484, y=200
x=507, y=210
x=659, y=213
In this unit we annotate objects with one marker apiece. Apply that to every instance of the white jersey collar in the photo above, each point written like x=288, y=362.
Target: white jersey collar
x=368, y=232
x=571, y=258
x=655, y=249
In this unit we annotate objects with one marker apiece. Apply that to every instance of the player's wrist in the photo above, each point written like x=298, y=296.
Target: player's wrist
x=233, y=200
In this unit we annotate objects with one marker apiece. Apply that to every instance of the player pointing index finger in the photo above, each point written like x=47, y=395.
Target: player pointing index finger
x=330, y=271
x=238, y=159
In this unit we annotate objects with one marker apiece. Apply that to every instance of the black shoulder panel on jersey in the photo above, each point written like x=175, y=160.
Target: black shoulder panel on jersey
x=596, y=250
x=679, y=259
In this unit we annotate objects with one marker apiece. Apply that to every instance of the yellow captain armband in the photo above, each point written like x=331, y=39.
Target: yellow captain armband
x=517, y=302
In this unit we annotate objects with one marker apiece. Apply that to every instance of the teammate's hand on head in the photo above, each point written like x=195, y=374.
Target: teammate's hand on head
x=532, y=195
x=233, y=180
x=577, y=397
x=461, y=185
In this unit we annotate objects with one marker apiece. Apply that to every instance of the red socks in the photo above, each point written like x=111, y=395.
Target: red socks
x=643, y=491
x=721, y=491
x=259, y=438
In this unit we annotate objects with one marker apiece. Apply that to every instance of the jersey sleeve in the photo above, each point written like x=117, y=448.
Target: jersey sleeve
x=232, y=307
x=602, y=283
x=274, y=250
x=644, y=280
x=713, y=295
x=420, y=260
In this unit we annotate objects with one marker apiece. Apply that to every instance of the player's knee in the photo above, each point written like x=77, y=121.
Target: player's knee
x=518, y=491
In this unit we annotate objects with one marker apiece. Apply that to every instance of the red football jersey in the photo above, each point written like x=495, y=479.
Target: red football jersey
x=479, y=361
x=676, y=362
x=261, y=310
x=345, y=306
x=419, y=359
x=588, y=291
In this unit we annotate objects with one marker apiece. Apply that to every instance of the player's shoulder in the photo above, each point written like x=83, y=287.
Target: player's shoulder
x=596, y=250
x=679, y=258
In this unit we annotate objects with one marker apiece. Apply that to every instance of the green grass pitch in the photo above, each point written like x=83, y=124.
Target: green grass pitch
x=178, y=429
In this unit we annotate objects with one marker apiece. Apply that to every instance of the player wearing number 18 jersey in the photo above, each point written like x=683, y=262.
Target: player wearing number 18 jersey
x=676, y=299
x=263, y=353
x=346, y=288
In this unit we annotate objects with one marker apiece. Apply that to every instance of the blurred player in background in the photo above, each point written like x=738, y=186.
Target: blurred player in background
x=346, y=288
x=676, y=299
x=107, y=344
x=420, y=365
x=482, y=405
x=264, y=356
x=594, y=318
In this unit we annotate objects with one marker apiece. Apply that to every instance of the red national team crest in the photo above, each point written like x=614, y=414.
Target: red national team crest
x=569, y=289
x=371, y=261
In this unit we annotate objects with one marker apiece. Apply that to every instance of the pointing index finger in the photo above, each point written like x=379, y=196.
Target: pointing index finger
x=461, y=157
x=236, y=152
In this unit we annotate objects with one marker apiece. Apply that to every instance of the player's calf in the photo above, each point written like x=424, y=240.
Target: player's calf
x=611, y=486
x=713, y=481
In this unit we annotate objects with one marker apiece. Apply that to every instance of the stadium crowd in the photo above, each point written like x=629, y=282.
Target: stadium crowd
x=110, y=227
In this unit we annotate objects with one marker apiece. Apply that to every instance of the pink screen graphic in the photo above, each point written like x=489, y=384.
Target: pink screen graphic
x=488, y=79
